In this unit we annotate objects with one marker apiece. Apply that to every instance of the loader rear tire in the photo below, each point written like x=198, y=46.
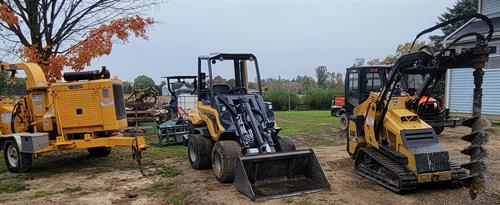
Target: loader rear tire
x=344, y=121
x=15, y=160
x=224, y=157
x=199, y=151
x=99, y=152
x=286, y=144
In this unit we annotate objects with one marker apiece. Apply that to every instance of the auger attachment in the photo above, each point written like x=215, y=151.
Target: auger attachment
x=479, y=137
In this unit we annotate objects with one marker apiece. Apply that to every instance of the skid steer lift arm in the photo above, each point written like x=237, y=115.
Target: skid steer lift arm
x=423, y=62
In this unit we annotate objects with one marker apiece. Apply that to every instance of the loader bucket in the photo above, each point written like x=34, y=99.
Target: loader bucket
x=278, y=175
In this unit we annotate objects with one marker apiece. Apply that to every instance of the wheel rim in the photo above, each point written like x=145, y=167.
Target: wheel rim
x=217, y=164
x=12, y=156
x=192, y=152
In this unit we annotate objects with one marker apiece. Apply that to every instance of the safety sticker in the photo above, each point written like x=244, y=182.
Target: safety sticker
x=106, y=103
x=370, y=121
x=6, y=117
x=37, y=98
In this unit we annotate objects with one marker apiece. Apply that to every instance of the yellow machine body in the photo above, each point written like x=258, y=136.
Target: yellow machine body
x=397, y=121
x=75, y=115
x=206, y=115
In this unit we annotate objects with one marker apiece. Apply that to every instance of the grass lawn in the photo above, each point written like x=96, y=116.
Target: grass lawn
x=309, y=127
x=306, y=122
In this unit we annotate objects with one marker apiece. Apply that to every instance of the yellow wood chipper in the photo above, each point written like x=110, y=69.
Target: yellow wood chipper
x=85, y=112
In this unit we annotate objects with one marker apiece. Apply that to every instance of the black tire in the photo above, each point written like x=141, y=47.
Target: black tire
x=224, y=157
x=332, y=113
x=344, y=121
x=286, y=144
x=16, y=161
x=99, y=152
x=199, y=151
x=438, y=130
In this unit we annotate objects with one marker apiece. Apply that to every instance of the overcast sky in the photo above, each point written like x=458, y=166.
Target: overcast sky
x=289, y=38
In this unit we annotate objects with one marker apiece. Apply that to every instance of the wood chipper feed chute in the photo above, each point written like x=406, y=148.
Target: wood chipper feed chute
x=278, y=175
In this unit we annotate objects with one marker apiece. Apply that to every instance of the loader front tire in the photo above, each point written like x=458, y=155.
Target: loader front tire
x=286, y=144
x=224, y=157
x=15, y=160
x=199, y=151
x=99, y=152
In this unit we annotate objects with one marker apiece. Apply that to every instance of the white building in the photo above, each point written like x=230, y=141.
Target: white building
x=459, y=83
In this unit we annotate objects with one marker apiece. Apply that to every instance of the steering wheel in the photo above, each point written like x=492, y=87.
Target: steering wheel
x=238, y=91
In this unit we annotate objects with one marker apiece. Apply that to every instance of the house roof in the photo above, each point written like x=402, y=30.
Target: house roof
x=475, y=26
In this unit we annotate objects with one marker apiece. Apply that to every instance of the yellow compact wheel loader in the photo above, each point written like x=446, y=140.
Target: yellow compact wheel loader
x=85, y=112
x=233, y=130
x=394, y=147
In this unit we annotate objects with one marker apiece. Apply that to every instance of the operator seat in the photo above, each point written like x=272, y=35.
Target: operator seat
x=221, y=89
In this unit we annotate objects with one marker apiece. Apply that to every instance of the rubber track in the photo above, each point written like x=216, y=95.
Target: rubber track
x=408, y=180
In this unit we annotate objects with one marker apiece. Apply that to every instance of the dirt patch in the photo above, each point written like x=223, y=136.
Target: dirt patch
x=73, y=178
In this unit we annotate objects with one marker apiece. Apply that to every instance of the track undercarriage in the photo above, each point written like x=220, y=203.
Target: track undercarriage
x=380, y=168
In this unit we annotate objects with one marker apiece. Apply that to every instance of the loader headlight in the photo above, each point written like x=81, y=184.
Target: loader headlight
x=223, y=109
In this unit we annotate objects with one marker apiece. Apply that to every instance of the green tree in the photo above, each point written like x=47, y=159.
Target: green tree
x=279, y=98
x=375, y=61
x=358, y=62
x=404, y=48
x=339, y=82
x=7, y=89
x=462, y=7
x=307, y=83
x=322, y=76
x=143, y=82
x=128, y=87
x=320, y=98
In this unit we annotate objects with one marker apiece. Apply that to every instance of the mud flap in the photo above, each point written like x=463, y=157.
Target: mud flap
x=278, y=175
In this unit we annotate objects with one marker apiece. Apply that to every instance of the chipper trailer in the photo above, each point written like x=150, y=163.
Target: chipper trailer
x=234, y=131
x=85, y=112
x=393, y=146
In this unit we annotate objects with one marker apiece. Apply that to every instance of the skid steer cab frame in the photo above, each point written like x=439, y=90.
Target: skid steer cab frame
x=233, y=131
x=85, y=112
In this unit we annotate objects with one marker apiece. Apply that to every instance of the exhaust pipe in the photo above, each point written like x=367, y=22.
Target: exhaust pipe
x=279, y=175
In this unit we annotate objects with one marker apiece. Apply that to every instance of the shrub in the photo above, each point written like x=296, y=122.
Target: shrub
x=279, y=98
x=320, y=98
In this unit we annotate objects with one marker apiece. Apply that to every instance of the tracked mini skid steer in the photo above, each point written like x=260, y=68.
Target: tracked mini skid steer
x=234, y=132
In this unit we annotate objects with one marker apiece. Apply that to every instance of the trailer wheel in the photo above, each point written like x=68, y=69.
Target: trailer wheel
x=99, y=151
x=224, y=157
x=16, y=161
x=286, y=144
x=199, y=150
x=344, y=121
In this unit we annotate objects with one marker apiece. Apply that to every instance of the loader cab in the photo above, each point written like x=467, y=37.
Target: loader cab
x=360, y=81
x=209, y=88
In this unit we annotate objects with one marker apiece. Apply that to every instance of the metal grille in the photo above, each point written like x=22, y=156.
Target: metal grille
x=119, y=102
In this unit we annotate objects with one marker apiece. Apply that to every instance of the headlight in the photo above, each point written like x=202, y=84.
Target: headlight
x=270, y=106
x=223, y=108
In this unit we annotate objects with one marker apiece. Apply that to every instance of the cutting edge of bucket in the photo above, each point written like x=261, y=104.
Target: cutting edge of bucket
x=243, y=185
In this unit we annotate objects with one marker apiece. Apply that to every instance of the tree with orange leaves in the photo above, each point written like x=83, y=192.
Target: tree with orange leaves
x=60, y=33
